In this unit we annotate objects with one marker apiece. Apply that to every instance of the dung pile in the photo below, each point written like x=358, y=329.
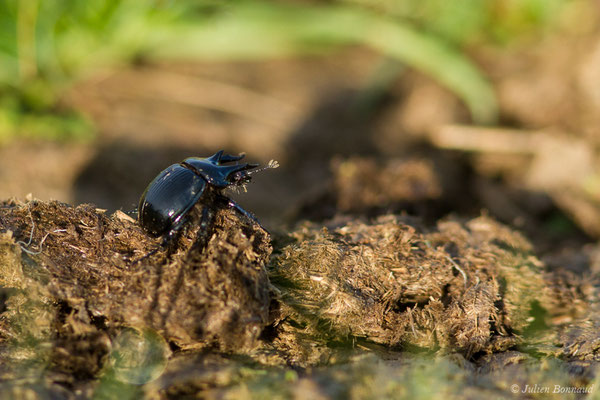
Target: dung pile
x=69, y=279
x=469, y=287
x=346, y=309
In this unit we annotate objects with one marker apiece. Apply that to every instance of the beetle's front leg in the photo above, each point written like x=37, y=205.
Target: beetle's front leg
x=227, y=202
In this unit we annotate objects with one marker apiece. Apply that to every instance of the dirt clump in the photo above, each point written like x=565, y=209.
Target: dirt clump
x=468, y=287
x=73, y=281
x=348, y=307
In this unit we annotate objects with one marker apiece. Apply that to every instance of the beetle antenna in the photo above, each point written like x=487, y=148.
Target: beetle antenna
x=271, y=164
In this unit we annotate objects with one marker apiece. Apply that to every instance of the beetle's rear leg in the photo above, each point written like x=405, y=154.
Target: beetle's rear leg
x=205, y=230
x=206, y=223
x=168, y=241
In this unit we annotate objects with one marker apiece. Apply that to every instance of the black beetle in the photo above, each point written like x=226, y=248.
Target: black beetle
x=174, y=192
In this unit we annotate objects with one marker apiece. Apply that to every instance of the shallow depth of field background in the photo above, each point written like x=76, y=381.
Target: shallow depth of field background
x=96, y=97
x=500, y=98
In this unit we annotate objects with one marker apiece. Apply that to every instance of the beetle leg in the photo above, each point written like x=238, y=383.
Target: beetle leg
x=206, y=225
x=236, y=207
x=170, y=238
x=147, y=255
x=166, y=243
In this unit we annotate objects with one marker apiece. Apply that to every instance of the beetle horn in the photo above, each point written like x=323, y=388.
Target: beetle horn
x=229, y=157
x=216, y=158
x=219, y=157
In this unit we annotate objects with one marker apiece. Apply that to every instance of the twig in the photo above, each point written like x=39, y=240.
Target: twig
x=455, y=265
x=24, y=245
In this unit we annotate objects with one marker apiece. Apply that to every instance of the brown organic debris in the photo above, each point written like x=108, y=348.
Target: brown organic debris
x=75, y=283
x=347, y=299
x=363, y=183
x=467, y=287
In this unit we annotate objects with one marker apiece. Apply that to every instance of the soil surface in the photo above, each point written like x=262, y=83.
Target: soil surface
x=404, y=251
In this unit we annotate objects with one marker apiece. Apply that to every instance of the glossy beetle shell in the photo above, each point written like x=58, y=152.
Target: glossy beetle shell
x=171, y=195
x=168, y=198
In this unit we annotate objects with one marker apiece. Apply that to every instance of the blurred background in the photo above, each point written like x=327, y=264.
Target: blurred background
x=370, y=106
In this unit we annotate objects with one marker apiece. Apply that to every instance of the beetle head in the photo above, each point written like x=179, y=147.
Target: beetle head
x=219, y=175
x=243, y=175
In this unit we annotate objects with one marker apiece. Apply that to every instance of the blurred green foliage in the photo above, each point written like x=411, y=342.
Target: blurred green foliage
x=469, y=22
x=47, y=45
